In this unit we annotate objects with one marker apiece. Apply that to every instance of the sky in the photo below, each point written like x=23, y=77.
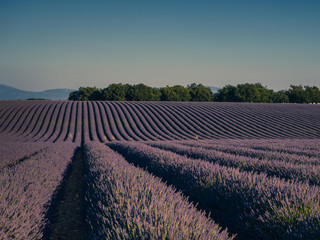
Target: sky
x=73, y=43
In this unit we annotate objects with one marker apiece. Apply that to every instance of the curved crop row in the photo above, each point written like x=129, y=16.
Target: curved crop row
x=57, y=121
x=125, y=202
x=27, y=190
x=281, y=169
x=308, y=157
x=253, y=205
x=12, y=154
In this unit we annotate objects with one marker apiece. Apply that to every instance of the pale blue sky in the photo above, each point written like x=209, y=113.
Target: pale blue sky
x=67, y=44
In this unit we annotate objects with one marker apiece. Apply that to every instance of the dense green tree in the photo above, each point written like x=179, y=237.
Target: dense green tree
x=175, y=93
x=306, y=94
x=115, y=92
x=74, y=96
x=96, y=95
x=86, y=94
x=129, y=92
x=280, y=97
x=312, y=94
x=142, y=92
x=226, y=94
x=200, y=93
x=250, y=92
x=183, y=93
x=296, y=94
x=247, y=92
x=167, y=94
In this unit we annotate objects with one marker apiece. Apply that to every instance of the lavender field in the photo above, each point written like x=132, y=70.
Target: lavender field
x=159, y=170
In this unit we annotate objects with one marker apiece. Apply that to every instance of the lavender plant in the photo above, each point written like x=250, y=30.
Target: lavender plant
x=26, y=191
x=231, y=147
x=13, y=152
x=125, y=202
x=286, y=170
x=253, y=205
x=45, y=121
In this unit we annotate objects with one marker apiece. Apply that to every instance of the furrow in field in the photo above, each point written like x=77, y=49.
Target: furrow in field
x=40, y=127
x=167, y=122
x=125, y=202
x=77, y=136
x=27, y=119
x=238, y=200
x=20, y=118
x=33, y=121
x=275, y=168
x=105, y=122
x=28, y=189
x=155, y=122
x=57, y=126
x=137, y=131
x=125, y=120
x=63, y=124
x=52, y=121
x=146, y=123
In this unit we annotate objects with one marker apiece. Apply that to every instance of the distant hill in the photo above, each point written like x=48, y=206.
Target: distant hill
x=214, y=89
x=11, y=93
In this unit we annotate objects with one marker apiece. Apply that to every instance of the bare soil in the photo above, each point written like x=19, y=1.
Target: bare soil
x=68, y=220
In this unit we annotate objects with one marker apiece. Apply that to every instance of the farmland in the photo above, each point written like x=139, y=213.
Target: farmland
x=159, y=170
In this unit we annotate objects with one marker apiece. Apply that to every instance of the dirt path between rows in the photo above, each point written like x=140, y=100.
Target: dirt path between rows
x=68, y=220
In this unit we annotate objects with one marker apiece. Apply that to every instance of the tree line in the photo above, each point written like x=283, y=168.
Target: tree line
x=142, y=92
x=248, y=92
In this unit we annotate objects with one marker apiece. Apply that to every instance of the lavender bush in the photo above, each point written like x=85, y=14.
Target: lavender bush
x=49, y=121
x=13, y=152
x=125, y=202
x=246, y=151
x=26, y=190
x=286, y=170
x=265, y=148
x=253, y=205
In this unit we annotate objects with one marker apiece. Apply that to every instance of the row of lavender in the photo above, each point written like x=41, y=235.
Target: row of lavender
x=12, y=153
x=107, y=121
x=125, y=202
x=28, y=184
x=121, y=201
x=247, y=201
x=285, y=166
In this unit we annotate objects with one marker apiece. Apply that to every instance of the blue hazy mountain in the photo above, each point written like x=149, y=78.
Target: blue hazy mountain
x=214, y=89
x=11, y=93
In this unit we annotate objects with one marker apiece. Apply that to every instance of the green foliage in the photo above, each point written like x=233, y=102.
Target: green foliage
x=248, y=92
x=96, y=95
x=306, y=94
x=74, y=96
x=175, y=93
x=142, y=92
x=312, y=94
x=280, y=97
x=296, y=94
x=226, y=94
x=86, y=94
x=200, y=93
x=115, y=92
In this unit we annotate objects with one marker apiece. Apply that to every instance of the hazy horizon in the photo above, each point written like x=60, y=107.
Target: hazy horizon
x=59, y=44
